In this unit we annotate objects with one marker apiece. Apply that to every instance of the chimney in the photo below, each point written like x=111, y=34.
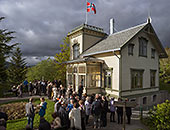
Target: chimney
x=111, y=26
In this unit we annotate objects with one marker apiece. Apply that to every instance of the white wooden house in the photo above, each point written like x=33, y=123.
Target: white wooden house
x=123, y=64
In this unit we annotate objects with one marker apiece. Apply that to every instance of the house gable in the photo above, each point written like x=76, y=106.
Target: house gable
x=152, y=36
x=140, y=65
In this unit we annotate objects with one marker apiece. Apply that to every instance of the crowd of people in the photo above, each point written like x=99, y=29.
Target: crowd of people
x=36, y=87
x=72, y=109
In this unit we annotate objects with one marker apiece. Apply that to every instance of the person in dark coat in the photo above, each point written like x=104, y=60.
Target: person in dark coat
x=96, y=111
x=43, y=107
x=120, y=113
x=128, y=113
x=112, y=110
x=39, y=88
x=62, y=91
x=2, y=124
x=80, y=91
x=30, y=88
x=64, y=116
x=4, y=116
x=104, y=111
x=44, y=125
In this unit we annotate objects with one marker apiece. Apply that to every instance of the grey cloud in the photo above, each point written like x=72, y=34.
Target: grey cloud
x=42, y=24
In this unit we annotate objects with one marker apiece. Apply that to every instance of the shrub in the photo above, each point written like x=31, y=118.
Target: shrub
x=159, y=117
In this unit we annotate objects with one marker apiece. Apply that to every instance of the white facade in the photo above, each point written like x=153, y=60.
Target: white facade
x=137, y=62
x=115, y=65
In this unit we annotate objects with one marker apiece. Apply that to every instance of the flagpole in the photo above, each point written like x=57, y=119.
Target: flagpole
x=86, y=13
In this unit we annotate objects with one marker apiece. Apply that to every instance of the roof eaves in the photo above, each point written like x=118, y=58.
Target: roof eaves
x=135, y=33
x=164, y=55
x=100, y=52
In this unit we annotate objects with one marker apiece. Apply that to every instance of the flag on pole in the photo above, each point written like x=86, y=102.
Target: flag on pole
x=91, y=7
x=88, y=6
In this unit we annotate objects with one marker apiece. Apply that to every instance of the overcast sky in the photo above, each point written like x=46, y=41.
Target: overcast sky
x=41, y=25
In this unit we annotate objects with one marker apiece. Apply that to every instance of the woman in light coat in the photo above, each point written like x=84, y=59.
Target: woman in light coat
x=54, y=89
x=88, y=109
x=75, y=118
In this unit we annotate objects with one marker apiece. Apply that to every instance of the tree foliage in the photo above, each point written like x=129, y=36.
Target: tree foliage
x=17, y=68
x=5, y=48
x=165, y=68
x=45, y=70
x=159, y=118
x=62, y=57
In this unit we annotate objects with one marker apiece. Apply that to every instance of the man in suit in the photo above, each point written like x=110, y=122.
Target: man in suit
x=128, y=113
x=120, y=113
x=30, y=112
x=96, y=111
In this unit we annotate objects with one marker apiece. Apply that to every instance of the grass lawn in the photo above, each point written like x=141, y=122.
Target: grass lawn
x=20, y=124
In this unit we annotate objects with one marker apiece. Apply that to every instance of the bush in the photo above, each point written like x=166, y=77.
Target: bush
x=159, y=117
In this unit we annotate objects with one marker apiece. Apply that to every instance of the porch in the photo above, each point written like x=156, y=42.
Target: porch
x=88, y=72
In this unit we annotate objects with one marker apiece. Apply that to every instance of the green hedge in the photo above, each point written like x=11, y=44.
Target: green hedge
x=159, y=117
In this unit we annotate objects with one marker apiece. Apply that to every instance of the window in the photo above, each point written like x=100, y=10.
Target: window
x=143, y=47
x=145, y=100
x=94, y=80
x=94, y=76
x=82, y=80
x=154, y=98
x=130, y=49
x=108, y=78
x=152, y=53
x=136, y=78
x=82, y=69
x=70, y=79
x=75, y=69
x=75, y=51
x=152, y=77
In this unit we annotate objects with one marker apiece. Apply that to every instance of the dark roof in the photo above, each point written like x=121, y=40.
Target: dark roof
x=114, y=41
x=86, y=26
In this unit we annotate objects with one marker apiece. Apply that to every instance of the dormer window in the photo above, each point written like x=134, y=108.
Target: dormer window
x=130, y=49
x=76, y=51
x=143, y=47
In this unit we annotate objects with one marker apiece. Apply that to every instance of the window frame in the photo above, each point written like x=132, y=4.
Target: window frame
x=143, y=42
x=154, y=98
x=130, y=49
x=153, y=53
x=106, y=78
x=153, y=84
x=144, y=100
x=135, y=80
x=76, y=49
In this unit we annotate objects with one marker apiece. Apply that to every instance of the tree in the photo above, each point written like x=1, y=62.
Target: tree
x=165, y=68
x=159, y=117
x=61, y=57
x=5, y=48
x=17, y=68
x=45, y=70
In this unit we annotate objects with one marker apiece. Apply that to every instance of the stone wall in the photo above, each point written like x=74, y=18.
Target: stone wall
x=148, y=101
